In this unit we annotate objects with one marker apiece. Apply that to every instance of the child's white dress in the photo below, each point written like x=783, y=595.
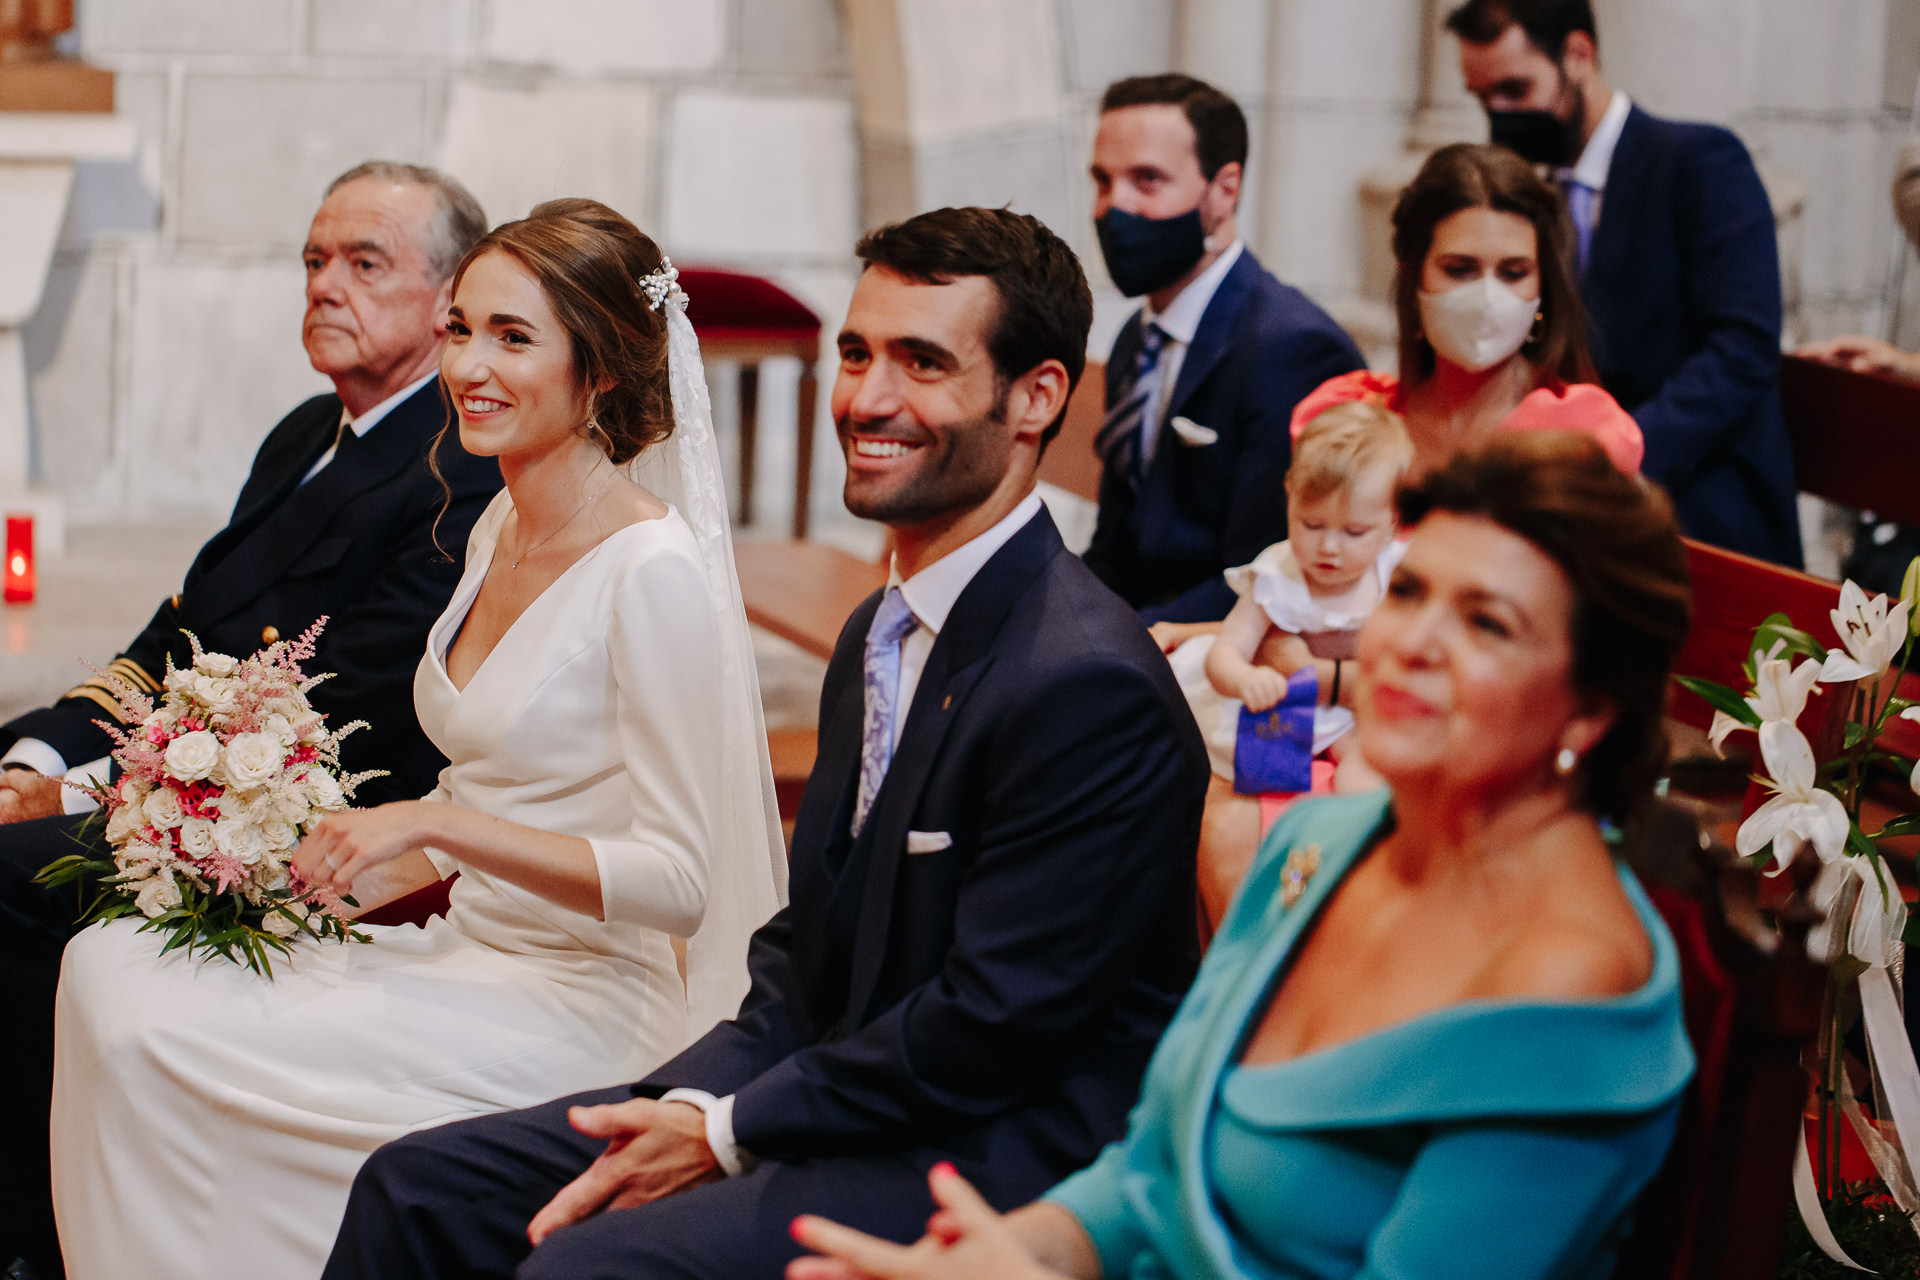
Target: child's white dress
x=1276, y=584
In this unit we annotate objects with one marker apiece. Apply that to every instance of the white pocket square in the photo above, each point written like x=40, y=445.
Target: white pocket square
x=1191, y=432
x=928, y=841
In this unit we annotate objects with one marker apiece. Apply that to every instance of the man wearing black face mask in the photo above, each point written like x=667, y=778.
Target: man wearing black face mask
x=1203, y=379
x=1679, y=266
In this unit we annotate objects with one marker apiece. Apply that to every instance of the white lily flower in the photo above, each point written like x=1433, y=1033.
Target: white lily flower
x=1780, y=692
x=1878, y=921
x=1872, y=633
x=1798, y=809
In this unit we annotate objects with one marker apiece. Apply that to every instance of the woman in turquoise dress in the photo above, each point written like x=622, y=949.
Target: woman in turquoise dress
x=1439, y=1033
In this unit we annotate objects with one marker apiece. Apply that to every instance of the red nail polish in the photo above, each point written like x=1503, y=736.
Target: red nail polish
x=798, y=1229
x=946, y=1170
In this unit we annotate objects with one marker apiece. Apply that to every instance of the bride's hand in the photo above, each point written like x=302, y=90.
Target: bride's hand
x=966, y=1240
x=343, y=847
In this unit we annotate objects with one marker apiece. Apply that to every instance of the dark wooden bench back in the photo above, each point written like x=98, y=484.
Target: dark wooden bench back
x=1856, y=436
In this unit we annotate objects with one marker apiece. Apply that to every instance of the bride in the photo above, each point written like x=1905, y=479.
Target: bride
x=591, y=683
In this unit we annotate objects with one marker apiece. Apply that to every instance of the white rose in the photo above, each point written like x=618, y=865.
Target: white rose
x=191, y=756
x=281, y=728
x=279, y=833
x=216, y=664
x=132, y=792
x=253, y=759
x=239, y=839
x=179, y=680
x=272, y=876
x=325, y=790
x=278, y=925
x=123, y=822
x=196, y=837
x=157, y=895
x=162, y=808
x=219, y=695
x=290, y=802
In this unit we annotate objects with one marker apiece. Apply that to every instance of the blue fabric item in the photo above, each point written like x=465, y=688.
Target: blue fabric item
x=880, y=682
x=1274, y=751
x=1683, y=298
x=1198, y=510
x=1487, y=1138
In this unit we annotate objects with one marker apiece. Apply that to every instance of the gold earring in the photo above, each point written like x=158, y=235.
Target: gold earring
x=1566, y=762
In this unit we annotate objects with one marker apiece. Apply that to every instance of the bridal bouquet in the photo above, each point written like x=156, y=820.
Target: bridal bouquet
x=217, y=786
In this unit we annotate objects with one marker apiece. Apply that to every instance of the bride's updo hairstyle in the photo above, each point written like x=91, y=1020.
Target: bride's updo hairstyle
x=590, y=261
x=1616, y=539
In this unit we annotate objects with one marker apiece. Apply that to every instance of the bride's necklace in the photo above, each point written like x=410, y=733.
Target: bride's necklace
x=564, y=523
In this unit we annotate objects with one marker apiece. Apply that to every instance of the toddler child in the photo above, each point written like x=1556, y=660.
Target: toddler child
x=1302, y=601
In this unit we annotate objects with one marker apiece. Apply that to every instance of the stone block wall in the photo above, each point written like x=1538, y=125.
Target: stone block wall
x=169, y=342
x=765, y=134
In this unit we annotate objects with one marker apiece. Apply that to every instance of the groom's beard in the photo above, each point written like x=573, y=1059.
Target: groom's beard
x=956, y=471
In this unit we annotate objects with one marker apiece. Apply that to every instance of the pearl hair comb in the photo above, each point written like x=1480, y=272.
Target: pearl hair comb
x=662, y=285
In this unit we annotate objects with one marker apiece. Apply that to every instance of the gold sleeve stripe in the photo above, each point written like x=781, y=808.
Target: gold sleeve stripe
x=107, y=700
x=134, y=674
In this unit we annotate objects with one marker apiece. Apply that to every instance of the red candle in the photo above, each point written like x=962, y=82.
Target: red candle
x=17, y=573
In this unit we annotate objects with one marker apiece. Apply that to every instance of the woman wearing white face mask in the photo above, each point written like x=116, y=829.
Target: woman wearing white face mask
x=1492, y=334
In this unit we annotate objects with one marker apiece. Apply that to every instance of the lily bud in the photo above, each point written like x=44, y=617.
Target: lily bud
x=1910, y=592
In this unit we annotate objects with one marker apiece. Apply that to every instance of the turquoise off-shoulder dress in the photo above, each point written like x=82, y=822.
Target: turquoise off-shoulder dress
x=1491, y=1139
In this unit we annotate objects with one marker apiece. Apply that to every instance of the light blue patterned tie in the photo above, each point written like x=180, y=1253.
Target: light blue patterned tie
x=1121, y=439
x=891, y=624
x=1580, y=207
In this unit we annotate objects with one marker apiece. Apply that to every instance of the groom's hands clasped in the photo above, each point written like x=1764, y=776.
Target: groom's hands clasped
x=653, y=1149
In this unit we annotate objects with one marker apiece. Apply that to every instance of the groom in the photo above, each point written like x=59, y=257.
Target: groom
x=992, y=871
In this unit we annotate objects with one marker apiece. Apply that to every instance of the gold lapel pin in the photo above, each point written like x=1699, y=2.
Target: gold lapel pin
x=1296, y=871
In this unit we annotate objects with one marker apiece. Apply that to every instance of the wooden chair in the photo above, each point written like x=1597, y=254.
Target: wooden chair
x=1850, y=431
x=1717, y=1210
x=745, y=319
x=803, y=591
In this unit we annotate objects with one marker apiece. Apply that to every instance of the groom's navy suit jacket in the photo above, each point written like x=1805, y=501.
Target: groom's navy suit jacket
x=993, y=1002
x=1203, y=508
x=1683, y=291
x=359, y=544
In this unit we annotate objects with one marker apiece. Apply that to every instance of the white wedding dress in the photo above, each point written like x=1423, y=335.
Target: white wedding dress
x=207, y=1123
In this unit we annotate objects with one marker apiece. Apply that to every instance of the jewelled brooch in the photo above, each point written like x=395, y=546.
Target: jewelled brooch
x=1296, y=871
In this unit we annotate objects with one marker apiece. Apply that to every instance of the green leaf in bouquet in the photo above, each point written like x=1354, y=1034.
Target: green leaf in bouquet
x=1905, y=825
x=1910, y=592
x=1720, y=698
x=1777, y=628
x=1856, y=734
x=1847, y=968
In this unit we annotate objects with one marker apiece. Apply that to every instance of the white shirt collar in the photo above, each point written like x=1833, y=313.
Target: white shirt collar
x=371, y=418
x=931, y=592
x=1590, y=170
x=1181, y=320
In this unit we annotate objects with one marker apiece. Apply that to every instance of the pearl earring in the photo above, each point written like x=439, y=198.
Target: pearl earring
x=1566, y=762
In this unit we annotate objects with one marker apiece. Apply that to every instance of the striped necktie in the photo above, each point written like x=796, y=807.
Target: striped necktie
x=1580, y=198
x=1120, y=438
x=881, y=677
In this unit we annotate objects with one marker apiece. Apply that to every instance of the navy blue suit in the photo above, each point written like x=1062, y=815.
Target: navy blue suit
x=1683, y=292
x=1202, y=509
x=359, y=543
x=993, y=1002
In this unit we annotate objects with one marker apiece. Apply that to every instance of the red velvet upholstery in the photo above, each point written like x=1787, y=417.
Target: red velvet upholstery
x=417, y=907
x=730, y=307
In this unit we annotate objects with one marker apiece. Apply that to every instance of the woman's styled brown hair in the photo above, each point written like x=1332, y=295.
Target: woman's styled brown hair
x=1615, y=538
x=1467, y=176
x=589, y=262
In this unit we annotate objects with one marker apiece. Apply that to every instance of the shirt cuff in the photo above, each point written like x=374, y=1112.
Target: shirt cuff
x=719, y=1113
x=94, y=773
x=36, y=755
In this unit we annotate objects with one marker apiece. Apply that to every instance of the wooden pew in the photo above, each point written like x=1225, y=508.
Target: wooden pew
x=1856, y=436
x=804, y=591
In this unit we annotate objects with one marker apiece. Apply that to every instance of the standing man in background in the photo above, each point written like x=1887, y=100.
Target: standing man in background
x=1679, y=265
x=1203, y=378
